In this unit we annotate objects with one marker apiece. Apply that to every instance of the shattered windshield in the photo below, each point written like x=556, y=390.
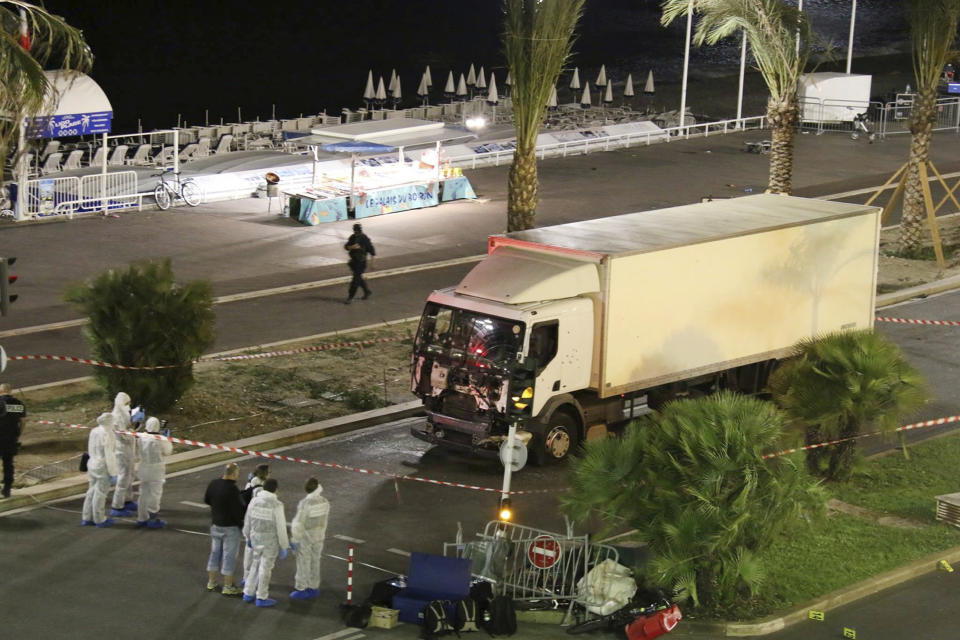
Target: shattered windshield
x=481, y=339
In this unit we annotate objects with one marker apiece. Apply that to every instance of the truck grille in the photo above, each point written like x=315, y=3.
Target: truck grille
x=462, y=406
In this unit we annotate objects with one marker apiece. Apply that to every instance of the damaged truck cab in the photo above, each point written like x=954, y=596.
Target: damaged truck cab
x=584, y=325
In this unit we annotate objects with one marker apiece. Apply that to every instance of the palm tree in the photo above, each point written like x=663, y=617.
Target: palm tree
x=841, y=383
x=933, y=30
x=537, y=38
x=771, y=28
x=23, y=85
x=140, y=317
x=693, y=483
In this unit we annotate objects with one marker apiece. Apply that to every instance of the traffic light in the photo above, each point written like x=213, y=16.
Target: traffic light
x=520, y=393
x=5, y=281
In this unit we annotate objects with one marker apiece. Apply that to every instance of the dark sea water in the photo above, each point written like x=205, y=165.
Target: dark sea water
x=156, y=59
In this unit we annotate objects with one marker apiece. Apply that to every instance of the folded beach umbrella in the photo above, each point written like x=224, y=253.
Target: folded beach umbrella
x=575, y=80
x=585, y=98
x=449, y=89
x=428, y=76
x=608, y=96
x=602, y=78
x=369, y=93
x=393, y=80
x=381, y=92
x=648, y=88
x=397, y=94
x=481, y=81
x=461, y=87
x=471, y=76
x=492, y=96
x=552, y=100
x=628, y=90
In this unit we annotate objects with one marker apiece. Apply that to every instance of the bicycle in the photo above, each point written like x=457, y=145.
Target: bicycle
x=166, y=194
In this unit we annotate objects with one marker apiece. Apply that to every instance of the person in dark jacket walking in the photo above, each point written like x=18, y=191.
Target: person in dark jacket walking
x=12, y=412
x=226, y=510
x=358, y=245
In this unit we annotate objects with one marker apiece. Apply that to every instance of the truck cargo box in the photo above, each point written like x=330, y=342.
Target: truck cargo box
x=700, y=288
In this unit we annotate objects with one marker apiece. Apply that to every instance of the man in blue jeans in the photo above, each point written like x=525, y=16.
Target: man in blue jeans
x=226, y=510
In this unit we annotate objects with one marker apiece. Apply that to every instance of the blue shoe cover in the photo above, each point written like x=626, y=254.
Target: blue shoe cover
x=247, y=598
x=304, y=594
x=314, y=592
x=156, y=524
x=129, y=505
x=266, y=602
x=87, y=523
x=121, y=513
x=106, y=523
x=141, y=523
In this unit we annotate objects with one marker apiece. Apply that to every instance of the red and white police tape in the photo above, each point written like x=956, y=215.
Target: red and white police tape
x=907, y=427
x=274, y=456
x=243, y=356
x=939, y=323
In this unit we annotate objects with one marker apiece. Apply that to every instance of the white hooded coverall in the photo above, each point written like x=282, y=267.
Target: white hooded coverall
x=126, y=452
x=255, y=483
x=308, y=529
x=101, y=465
x=152, y=470
x=265, y=526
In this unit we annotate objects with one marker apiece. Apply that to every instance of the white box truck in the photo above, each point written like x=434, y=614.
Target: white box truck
x=565, y=328
x=833, y=97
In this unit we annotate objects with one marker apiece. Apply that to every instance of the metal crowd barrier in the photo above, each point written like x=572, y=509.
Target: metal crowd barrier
x=525, y=563
x=71, y=195
x=884, y=118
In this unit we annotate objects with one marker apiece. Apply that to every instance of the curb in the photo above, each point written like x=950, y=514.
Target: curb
x=76, y=485
x=919, y=291
x=833, y=600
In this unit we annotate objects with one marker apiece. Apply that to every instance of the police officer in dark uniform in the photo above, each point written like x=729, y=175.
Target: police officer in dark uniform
x=358, y=245
x=12, y=412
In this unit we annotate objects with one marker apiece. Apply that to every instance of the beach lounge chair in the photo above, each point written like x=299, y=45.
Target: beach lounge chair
x=223, y=146
x=203, y=148
x=141, y=155
x=73, y=160
x=118, y=154
x=51, y=147
x=164, y=156
x=97, y=159
x=52, y=163
x=188, y=152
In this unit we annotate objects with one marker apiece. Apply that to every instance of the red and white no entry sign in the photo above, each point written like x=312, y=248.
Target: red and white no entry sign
x=544, y=551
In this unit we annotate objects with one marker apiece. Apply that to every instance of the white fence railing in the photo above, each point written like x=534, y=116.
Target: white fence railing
x=70, y=195
x=620, y=141
x=883, y=118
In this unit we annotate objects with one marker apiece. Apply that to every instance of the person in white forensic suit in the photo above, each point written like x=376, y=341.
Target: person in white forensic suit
x=123, y=504
x=152, y=472
x=250, y=491
x=101, y=471
x=308, y=529
x=265, y=528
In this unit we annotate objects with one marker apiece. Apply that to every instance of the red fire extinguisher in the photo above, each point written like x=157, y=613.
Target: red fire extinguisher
x=654, y=625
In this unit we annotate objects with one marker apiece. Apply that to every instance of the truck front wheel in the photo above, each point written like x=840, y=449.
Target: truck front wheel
x=555, y=441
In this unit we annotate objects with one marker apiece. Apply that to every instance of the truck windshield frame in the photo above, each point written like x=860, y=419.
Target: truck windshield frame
x=476, y=339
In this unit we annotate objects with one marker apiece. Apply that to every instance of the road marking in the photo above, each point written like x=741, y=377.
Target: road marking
x=195, y=504
x=341, y=634
x=262, y=293
x=372, y=566
x=340, y=536
x=399, y=552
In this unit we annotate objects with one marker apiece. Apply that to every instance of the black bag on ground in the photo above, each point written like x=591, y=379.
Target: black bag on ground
x=355, y=615
x=465, y=615
x=481, y=592
x=503, y=617
x=83, y=461
x=435, y=622
x=381, y=595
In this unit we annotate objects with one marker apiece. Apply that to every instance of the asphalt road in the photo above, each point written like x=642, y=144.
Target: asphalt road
x=64, y=581
x=239, y=248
